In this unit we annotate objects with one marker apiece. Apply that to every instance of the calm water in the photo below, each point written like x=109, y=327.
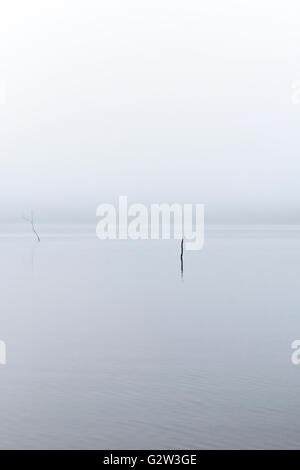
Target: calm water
x=108, y=348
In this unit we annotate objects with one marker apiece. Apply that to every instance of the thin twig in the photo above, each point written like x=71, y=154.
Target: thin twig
x=31, y=221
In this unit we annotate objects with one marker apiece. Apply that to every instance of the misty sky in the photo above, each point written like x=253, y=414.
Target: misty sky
x=161, y=100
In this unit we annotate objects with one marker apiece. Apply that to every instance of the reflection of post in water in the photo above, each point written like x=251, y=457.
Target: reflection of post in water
x=181, y=258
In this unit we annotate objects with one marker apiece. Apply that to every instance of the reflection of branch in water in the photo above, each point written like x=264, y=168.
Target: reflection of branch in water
x=181, y=258
x=33, y=250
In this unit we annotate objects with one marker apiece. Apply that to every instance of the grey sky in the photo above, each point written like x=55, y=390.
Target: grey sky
x=161, y=100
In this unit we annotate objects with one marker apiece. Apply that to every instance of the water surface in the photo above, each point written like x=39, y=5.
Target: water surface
x=109, y=348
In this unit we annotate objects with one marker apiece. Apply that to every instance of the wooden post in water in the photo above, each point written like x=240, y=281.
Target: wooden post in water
x=181, y=257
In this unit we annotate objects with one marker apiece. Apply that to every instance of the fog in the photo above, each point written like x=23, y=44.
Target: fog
x=162, y=101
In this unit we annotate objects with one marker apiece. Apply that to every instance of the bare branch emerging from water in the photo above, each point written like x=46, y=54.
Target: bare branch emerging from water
x=31, y=221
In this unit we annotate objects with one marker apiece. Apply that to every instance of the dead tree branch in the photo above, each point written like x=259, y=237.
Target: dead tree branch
x=31, y=221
